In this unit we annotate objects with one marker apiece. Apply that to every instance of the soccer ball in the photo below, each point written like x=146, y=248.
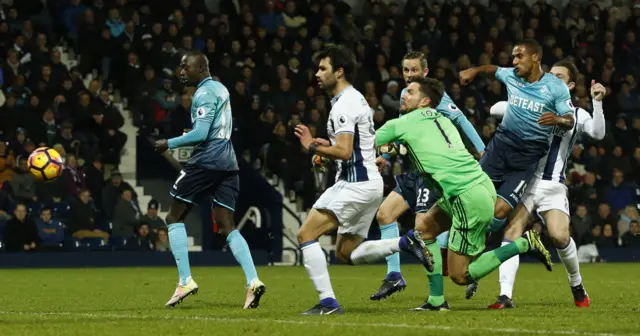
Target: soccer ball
x=45, y=164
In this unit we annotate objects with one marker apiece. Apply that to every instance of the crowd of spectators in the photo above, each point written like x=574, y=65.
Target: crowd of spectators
x=262, y=52
x=46, y=102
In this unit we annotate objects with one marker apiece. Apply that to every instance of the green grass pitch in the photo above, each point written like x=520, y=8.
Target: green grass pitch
x=130, y=301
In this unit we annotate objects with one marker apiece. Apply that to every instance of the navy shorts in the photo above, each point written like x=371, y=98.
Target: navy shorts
x=510, y=166
x=415, y=193
x=195, y=184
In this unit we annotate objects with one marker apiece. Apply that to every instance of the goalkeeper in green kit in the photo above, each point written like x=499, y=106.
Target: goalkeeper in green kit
x=466, y=194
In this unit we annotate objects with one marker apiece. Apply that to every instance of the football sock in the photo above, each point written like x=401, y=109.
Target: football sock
x=508, y=270
x=569, y=258
x=489, y=261
x=241, y=252
x=387, y=232
x=180, y=250
x=373, y=250
x=436, y=283
x=316, y=264
x=443, y=239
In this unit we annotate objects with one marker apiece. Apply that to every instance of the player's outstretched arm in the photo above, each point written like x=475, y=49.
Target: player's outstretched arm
x=595, y=127
x=342, y=150
x=467, y=76
x=387, y=133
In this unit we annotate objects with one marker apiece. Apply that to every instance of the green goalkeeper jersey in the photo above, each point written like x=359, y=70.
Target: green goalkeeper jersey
x=437, y=150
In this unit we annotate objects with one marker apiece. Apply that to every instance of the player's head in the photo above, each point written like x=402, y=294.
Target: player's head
x=414, y=64
x=335, y=64
x=527, y=55
x=567, y=72
x=194, y=67
x=421, y=92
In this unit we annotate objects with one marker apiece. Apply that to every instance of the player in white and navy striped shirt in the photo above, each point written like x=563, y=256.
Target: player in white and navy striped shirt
x=546, y=193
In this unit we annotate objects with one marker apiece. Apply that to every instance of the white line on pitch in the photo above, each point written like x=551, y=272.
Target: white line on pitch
x=310, y=321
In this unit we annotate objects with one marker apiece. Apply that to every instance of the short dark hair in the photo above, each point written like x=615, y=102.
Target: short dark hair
x=532, y=46
x=419, y=56
x=571, y=67
x=200, y=57
x=431, y=88
x=340, y=57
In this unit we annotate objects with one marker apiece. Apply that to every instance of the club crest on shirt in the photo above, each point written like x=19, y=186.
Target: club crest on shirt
x=342, y=119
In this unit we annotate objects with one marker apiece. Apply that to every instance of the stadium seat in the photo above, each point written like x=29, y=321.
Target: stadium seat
x=60, y=210
x=118, y=243
x=72, y=244
x=94, y=244
x=34, y=209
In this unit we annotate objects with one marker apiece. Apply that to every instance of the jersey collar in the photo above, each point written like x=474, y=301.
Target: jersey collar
x=335, y=99
x=203, y=81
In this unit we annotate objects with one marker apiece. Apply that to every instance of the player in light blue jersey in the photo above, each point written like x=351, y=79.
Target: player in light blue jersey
x=412, y=193
x=546, y=194
x=538, y=102
x=211, y=174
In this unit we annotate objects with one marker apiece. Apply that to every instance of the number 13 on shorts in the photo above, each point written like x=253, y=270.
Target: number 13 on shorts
x=423, y=197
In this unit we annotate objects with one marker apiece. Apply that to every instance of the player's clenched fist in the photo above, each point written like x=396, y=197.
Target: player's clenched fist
x=598, y=91
x=161, y=146
x=467, y=76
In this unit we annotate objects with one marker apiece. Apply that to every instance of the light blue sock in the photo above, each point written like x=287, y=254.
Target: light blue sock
x=391, y=231
x=241, y=252
x=180, y=250
x=443, y=239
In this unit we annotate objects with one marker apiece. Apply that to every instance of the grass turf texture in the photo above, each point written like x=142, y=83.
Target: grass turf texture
x=130, y=301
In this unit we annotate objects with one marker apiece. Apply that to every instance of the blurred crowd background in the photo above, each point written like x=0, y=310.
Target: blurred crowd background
x=128, y=54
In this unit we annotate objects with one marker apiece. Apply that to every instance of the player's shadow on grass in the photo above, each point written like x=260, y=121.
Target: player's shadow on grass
x=207, y=304
x=366, y=310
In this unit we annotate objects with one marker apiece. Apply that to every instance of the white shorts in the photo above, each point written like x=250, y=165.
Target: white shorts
x=544, y=195
x=353, y=203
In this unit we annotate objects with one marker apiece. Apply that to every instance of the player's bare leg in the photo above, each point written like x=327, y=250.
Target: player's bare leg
x=178, y=210
x=431, y=224
x=242, y=254
x=509, y=268
x=317, y=223
x=557, y=223
x=388, y=213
